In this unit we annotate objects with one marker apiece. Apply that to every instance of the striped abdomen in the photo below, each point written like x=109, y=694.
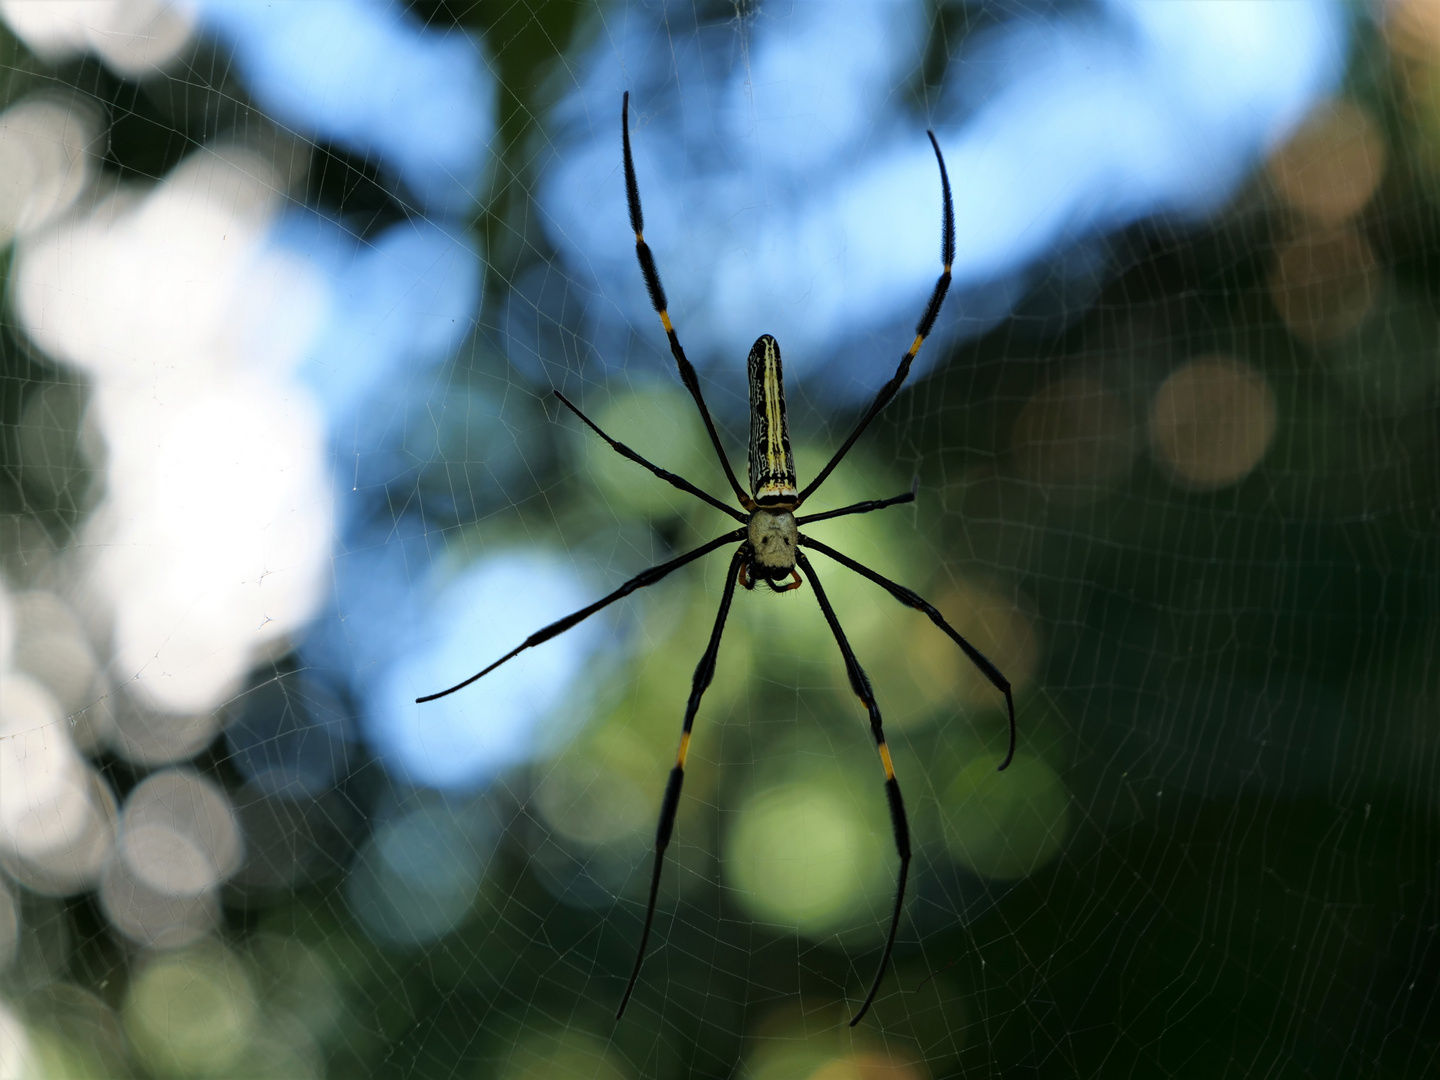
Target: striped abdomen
x=772, y=466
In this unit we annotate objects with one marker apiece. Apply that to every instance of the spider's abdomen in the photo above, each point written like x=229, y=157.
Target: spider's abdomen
x=772, y=466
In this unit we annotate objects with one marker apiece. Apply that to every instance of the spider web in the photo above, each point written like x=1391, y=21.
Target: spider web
x=289, y=288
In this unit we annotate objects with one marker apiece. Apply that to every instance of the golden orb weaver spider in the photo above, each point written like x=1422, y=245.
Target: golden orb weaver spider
x=770, y=542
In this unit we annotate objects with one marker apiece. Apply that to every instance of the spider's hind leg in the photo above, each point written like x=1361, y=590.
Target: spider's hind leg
x=860, y=683
x=912, y=599
x=704, y=673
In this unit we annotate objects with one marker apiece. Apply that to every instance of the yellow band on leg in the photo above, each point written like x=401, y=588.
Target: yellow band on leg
x=684, y=749
x=885, y=760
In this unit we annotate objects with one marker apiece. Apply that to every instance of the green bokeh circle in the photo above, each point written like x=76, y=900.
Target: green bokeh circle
x=1006, y=824
x=803, y=854
x=191, y=1013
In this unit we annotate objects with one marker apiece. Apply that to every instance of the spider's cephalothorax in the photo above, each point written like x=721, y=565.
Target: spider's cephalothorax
x=772, y=534
x=771, y=541
x=769, y=544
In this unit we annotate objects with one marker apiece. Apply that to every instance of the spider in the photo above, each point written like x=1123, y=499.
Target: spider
x=770, y=544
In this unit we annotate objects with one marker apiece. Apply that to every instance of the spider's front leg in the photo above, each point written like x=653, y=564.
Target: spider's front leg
x=661, y=305
x=922, y=329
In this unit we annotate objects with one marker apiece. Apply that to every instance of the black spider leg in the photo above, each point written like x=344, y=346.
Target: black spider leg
x=559, y=626
x=664, y=474
x=922, y=330
x=860, y=683
x=704, y=673
x=863, y=507
x=914, y=600
x=658, y=301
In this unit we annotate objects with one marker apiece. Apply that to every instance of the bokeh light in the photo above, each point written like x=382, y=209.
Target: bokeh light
x=208, y=341
x=1412, y=28
x=996, y=625
x=16, y=1055
x=1331, y=166
x=369, y=76
x=150, y=738
x=418, y=877
x=463, y=740
x=1412, y=32
x=179, y=840
x=1324, y=283
x=1211, y=422
x=56, y=815
x=606, y=788
x=192, y=1013
x=73, y=862
x=1005, y=825
x=142, y=293
x=298, y=985
x=133, y=37
x=52, y=647
x=804, y=854
x=47, y=158
x=74, y=1033
x=659, y=423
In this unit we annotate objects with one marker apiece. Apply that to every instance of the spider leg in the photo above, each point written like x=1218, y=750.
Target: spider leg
x=862, y=507
x=790, y=586
x=661, y=305
x=704, y=673
x=860, y=683
x=922, y=329
x=914, y=600
x=559, y=626
x=664, y=474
